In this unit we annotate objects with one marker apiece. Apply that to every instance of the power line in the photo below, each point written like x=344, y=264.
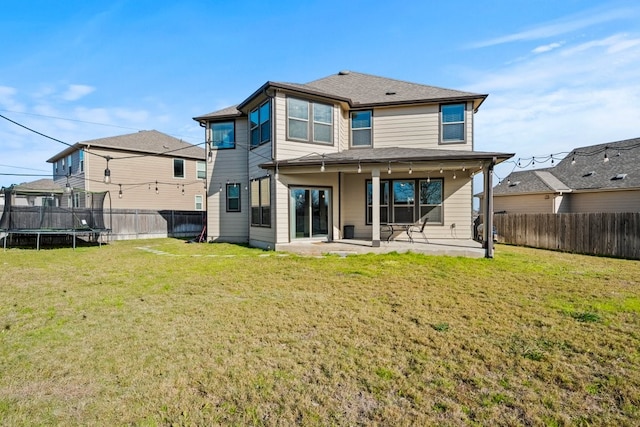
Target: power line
x=68, y=119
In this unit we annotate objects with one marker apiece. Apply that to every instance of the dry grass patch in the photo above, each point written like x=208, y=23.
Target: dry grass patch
x=165, y=333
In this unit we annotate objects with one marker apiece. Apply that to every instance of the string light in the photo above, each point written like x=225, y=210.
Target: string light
x=107, y=172
x=410, y=168
x=157, y=191
x=120, y=191
x=389, y=168
x=359, y=167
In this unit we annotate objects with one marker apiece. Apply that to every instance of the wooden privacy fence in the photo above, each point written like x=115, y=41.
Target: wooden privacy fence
x=142, y=224
x=606, y=234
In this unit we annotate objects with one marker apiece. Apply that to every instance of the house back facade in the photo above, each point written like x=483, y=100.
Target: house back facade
x=341, y=157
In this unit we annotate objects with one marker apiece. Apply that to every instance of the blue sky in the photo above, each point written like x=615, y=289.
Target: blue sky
x=559, y=74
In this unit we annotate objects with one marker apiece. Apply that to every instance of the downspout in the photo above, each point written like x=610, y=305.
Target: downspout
x=339, y=205
x=488, y=210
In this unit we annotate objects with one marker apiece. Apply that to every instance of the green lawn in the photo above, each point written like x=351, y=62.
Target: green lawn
x=159, y=332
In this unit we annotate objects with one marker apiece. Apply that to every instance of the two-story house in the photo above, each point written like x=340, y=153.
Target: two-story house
x=142, y=170
x=341, y=156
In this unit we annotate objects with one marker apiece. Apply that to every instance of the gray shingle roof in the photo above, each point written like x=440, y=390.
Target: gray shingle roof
x=390, y=154
x=368, y=90
x=360, y=90
x=228, y=112
x=588, y=172
x=147, y=141
x=40, y=185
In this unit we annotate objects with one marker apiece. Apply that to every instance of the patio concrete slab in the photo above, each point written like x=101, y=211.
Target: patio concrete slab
x=450, y=247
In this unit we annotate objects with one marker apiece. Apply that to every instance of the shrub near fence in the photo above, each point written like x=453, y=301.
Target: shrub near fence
x=606, y=234
x=139, y=224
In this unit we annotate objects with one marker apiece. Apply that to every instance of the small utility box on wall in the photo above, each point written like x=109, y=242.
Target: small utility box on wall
x=348, y=231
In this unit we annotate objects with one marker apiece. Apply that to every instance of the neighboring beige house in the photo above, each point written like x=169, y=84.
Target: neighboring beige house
x=144, y=170
x=42, y=192
x=340, y=157
x=596, y=178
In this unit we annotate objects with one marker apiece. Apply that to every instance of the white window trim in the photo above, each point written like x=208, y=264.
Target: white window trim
x=184, y=168
x=463, y=122
x=311, y=122
x=351, y=129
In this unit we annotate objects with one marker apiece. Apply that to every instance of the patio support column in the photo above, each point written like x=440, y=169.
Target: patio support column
x=375, y=215
x=487, y=232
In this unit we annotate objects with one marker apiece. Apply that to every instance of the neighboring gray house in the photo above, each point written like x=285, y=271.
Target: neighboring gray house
x=596, y=178
x=340, y=157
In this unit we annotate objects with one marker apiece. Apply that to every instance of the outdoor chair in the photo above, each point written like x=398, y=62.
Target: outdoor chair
x=418, y=227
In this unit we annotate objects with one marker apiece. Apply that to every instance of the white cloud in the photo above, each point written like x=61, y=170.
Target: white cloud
x=559, y=27
x=75, y=92
x=574, y=95
x=547, y=47
x=8, y=101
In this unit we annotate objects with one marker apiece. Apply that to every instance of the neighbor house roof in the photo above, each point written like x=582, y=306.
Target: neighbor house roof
x=38, y=186
x=390, y=154
x=146, y=141
x=584, y=169
x=359, y=90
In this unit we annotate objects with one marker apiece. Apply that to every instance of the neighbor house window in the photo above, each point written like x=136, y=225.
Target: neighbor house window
x=76, y=200
x=81, y=156
x=178, y=168
x=260, y=124
x=198, y=202
x=309, y=118
x=452, y=123
x=398, y=201
x=431, y=200
x=70, y=163
x=233, y=197
x=361, y=128
x=201, y=169
x=223, y=135
x=261, y=202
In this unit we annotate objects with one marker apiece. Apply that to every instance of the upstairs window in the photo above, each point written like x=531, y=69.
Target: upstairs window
x=178, y=168
x=223, y=135
x=452, y=123
x=201, y=169
x=361, y=128
x=309, y=118
x=260, y=121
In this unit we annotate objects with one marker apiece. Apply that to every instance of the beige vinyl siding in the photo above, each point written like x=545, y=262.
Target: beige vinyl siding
x=456, y=206
x=606, y=201
x=229, y=165
x=261, y=237
x=138, y=176
x=290, y=149
x=414, y=127
x=526, y=203
x=344, y=128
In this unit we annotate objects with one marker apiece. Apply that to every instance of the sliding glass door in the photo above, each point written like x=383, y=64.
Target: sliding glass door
x=310, y=212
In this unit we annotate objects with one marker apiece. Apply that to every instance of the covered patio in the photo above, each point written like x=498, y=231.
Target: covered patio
x=366, y=190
